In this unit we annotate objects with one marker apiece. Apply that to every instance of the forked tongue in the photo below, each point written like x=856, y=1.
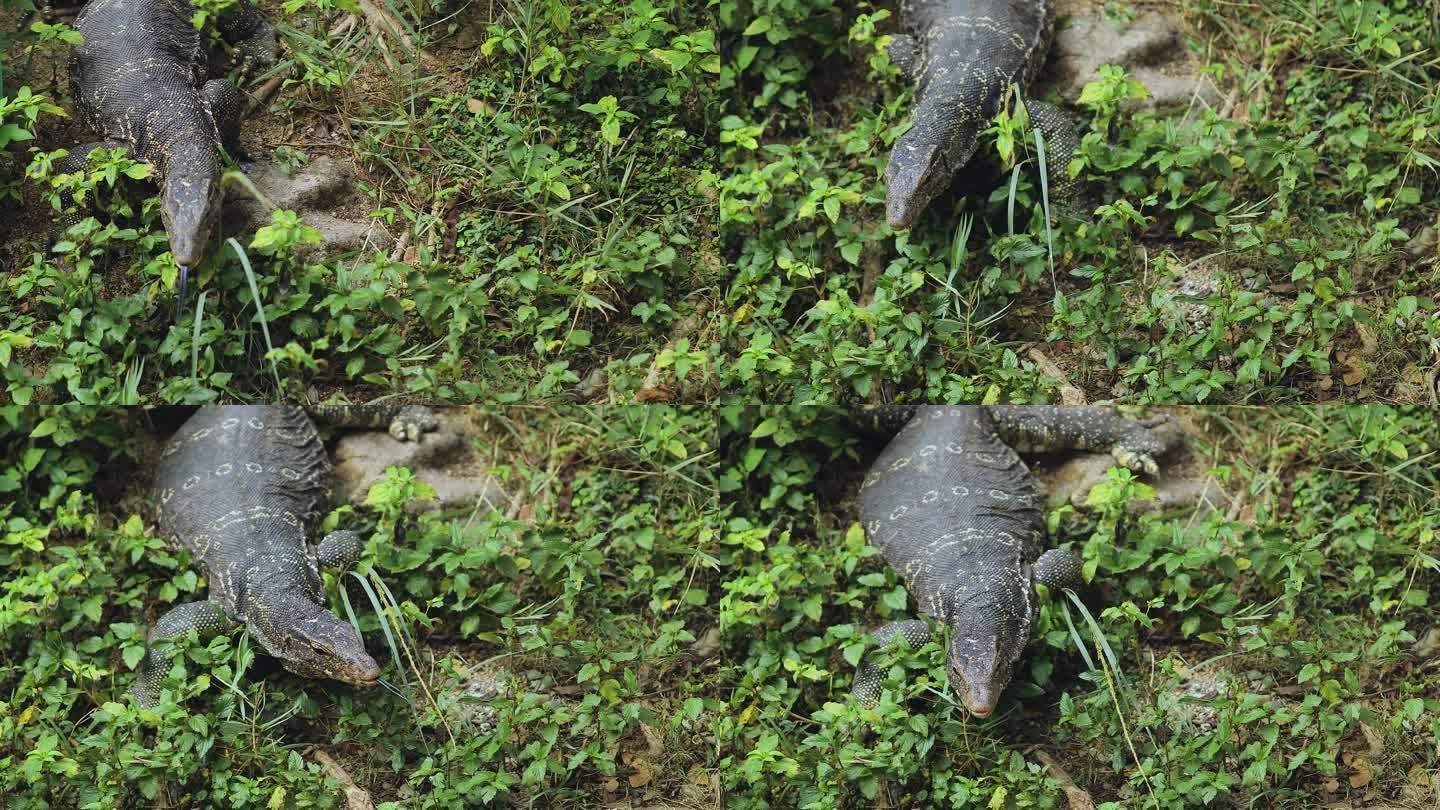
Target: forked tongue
x=180, y=291
x=393, y=689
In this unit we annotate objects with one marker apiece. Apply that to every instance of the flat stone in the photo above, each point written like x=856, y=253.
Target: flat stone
x=1150, y=48
x=322, y=184
x=323, y=193
x=443, y=459
x=346, y=236
x=1070, y=479
x=1191, y=702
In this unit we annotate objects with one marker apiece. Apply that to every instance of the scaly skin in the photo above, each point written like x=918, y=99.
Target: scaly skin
x=241, y=488
x=964, y=55
x=954, y=510
x=142, y=81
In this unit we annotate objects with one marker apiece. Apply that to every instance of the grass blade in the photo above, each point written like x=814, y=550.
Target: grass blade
x=1045, y=200
x=259, y=307
x=1075, y=637
x=384, y=622
x=1095, y=631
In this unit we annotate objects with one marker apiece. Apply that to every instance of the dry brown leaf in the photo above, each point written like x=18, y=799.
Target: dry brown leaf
x=641, y=777
x=477, y=106
x=1374, y=741
x=1330, y=786
x=654, y=741
x=1363, y=774
x=612, y=785
x=1355, y=371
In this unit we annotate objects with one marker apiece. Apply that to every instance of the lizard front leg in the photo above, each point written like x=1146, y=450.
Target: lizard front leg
x=866, y=688
x=1061, y=142
x=227, y=106
x=75, y=161
x=206, y=618
x=253, y=38
x=1059, y=568
x=1039, y=429
x=339, y=550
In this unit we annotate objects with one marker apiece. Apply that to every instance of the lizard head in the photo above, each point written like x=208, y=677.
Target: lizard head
x=920, y=169
x=985, y=642
x=190, y=201
x=311, y=641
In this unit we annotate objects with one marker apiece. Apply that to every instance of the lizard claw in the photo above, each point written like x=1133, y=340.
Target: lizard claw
x=1136, y=460
x=412, y=422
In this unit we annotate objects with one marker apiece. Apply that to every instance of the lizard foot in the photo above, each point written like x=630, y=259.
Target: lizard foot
x=412, y=422
x=866, y=688
x=1137, y=460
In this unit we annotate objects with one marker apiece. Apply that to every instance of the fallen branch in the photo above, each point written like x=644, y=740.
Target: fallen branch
x=356, y=798
x=1070, y=396
x=385, y=24
x=262, y=96
x=1074, y=794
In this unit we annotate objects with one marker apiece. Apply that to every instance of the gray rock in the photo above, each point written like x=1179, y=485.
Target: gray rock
x=1151, y=48
x=480, y=686
x=1190, y=703
x=594, y=386
x=1194, y=281
x=323, y=192
x=443, y=459
x=1423, y=244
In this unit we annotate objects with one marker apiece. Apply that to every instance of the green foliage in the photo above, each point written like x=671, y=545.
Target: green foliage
x=1262, y=650
x=553, y=187
x=1253, y=255
x=581, y=611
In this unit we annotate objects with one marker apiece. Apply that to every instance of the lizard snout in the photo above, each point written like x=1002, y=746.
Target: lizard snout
x=979, y=709
x=910, y=182
x=368, y=674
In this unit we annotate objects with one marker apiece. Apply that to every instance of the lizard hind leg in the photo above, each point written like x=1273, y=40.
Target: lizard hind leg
x=866, y=689
x=205, y=617
x=339, y=550
x=904, y=53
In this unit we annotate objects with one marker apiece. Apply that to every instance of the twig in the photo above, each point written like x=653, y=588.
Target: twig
x=400, y=245
x=1070, y=396
x=342, y=27
x=1074, y=794
x=383, y=22
x=356, y=798
x=262, y=96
